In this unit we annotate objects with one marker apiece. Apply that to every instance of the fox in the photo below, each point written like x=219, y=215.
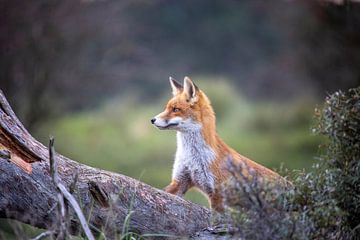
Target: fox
x=201, y=154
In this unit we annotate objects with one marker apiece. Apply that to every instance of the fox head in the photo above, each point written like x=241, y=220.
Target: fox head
x=184, y=111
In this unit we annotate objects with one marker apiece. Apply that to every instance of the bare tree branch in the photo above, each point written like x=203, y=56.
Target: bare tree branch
x=27, y=192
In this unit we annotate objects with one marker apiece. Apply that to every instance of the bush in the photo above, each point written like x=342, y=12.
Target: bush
x=322, y=204
x=259, y=210
x=339, y=121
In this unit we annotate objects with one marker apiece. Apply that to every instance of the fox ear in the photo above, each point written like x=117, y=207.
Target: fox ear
x=175, y=86
x=191, y=90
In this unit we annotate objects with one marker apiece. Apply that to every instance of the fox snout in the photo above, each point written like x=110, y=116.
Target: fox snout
x=162, y=123
x=159, y=121
x=155, y=121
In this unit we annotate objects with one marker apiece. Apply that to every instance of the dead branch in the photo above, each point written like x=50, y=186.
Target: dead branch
x=27, y=192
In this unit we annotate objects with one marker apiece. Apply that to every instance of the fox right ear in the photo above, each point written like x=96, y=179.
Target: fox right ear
x=175, y=86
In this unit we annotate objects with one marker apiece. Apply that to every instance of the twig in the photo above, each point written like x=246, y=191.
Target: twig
x=43, y=235
x=52, y=208
x=53, y=164
x=73, y=184
x=61, y=228
x=63, y=192
x=77, y=209
x=62, y=210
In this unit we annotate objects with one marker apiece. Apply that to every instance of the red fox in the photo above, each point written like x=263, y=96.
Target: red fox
x=201, y=154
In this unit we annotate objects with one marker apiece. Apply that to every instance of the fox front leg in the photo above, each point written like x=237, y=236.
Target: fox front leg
x=178, y=188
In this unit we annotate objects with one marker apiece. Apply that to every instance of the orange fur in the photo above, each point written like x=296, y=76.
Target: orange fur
x=201, y=111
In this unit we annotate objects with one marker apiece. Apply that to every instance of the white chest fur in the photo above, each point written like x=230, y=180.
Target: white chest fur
x=193, y=158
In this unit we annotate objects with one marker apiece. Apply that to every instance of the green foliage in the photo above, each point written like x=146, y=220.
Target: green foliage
x=322, y=204
x=339, y=121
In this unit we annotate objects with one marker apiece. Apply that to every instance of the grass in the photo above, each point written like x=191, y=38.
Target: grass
x=119, y=137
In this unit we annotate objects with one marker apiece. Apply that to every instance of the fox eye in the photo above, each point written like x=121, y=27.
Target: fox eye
x=175, y=109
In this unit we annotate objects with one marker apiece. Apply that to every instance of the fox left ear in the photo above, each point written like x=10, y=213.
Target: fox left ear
x=191, y=90
x=175, y=86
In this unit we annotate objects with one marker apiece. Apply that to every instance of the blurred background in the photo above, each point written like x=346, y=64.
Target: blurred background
x=93, y=74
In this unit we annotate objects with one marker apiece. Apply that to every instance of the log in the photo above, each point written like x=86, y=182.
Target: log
x=113, y=203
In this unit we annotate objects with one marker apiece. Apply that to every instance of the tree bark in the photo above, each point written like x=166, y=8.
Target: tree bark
x=28, y=194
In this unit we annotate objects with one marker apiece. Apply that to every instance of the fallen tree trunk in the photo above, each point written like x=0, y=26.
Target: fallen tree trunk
x=108, y=199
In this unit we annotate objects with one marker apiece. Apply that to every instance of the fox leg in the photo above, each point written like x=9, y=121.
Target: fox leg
x=216, y=202
x=178, y=188
x=172, y=188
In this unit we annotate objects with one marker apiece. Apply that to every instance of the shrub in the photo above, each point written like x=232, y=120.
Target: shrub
x=259, y=210
x=339, y=121
x=322, y=204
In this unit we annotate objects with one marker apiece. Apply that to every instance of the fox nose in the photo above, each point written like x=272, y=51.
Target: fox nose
x=153, y=120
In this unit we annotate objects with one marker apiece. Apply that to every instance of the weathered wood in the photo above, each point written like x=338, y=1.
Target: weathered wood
x=28, y=194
